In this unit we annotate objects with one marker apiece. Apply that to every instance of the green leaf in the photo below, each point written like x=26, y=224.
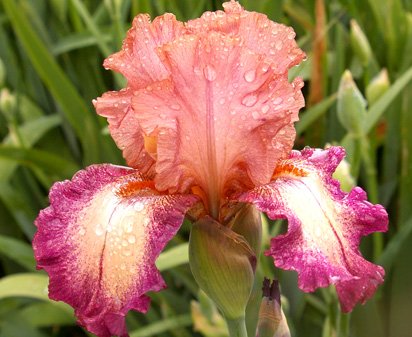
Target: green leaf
x=46, y=314
x=17, y=251
x=29, y=285
x=376, y=110
x=311, y=115
x=155, y=329
x=45, y=160
x=30, y=133
x=80, y=117
x=173, y=257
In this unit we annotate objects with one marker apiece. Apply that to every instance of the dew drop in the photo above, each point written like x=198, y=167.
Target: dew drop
x=265, y=108
x=162, y=116
x=233, y=112
x=131, y=239
x=175, y=107
x=127, y=252
x=123, y=266
x=277, y=100
x=250, y=75
x=82, y=231
x=99, y=230
x=249, y=100
x=197, y=70
x=255, y=115
x=210, y=73
x=129, y=227
x=278, y=45
x=222, y=101
x=138, y=207
x=124, y=243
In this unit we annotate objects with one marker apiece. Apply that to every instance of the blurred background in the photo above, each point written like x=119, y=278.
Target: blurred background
x=358, y=91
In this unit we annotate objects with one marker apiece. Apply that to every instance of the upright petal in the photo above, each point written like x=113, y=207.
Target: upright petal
x=223, y=118
x=261, y=35
x=124, y=128
x=325, y=225
x=99, y=239
x=139, y=63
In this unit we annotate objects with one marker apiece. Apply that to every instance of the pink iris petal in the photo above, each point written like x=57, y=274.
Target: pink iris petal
x=124, y=128
x=140, y=64
x=99, y=239
x=223, y=118
x=263, y=36
x=325, y=225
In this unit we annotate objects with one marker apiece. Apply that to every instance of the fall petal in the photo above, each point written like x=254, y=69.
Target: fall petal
x=124, y=128
x=223, y=117
x=99, y=239
x=325, y=225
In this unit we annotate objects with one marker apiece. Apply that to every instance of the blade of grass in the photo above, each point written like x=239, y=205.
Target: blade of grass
x=17, y=251
x=173, y=257
x=76, y=112
x=164, y=325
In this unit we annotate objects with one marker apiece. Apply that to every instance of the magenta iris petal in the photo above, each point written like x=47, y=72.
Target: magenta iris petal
x=325, y=225
x=99, y=239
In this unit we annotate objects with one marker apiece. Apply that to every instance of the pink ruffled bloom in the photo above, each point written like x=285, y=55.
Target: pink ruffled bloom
x=206, y=119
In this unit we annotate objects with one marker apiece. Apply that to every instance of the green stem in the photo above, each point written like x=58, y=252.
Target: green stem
x=237, y=327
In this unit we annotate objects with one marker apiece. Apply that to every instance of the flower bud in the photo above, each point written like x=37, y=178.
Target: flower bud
x=222, y=264
x=342, y=174
x=351, y=108
x=7, y=103
x=377, y=87
x=272, y=320
x=360, y=43
x=248, y=223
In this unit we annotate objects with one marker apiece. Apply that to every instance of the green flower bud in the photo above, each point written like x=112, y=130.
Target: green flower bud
x=7, y=104
x=272, y=320
x=342, y=174
x=351, y=108
x=377, y=87
x=360, y=43
x=222, y=264
x=248, y=223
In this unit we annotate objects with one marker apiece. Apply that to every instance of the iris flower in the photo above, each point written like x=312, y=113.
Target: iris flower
x=206, y=121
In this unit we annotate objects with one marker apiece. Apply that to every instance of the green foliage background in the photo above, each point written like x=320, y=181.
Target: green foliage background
x=51, y=54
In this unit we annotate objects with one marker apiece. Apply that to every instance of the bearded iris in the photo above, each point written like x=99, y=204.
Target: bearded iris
x=205, y=122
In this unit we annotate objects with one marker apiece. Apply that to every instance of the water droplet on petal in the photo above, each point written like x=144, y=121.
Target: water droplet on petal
x=210, y=73
x=222, y=101
x=162, y=116
x=197, y=70
x=255, y=115
x=131, y=239
x=233, y=112
x=124, y=243
x=249, y=100
x=265, y=108
x=277, y=100
x=123, y=266
x=127, y=252
x=175, y=107
x=82, y=231
x=138, y=207
x=278, y=45
x=99, y=230
x=250, y=75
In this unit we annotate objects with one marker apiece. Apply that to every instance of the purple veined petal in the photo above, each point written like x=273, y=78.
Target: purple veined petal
x=99, y=239
x=325, y=225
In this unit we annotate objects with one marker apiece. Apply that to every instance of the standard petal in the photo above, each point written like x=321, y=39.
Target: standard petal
x=124, y=128
x=99, y=239
x=325, y=225
x=138, y=60
x=263, y=36
x=222, y=120
x=139, y=63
